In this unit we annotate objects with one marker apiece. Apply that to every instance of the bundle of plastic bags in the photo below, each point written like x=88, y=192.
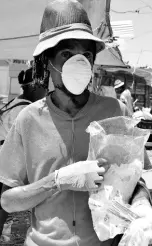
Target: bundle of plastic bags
x=119, y=141
x=139, y=233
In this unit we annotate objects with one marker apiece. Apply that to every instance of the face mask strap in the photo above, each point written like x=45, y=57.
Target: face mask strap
x=55, y=68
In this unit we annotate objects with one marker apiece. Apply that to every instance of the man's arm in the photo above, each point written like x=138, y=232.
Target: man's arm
x=28, y=196
x=13, y=173
x=69, y=177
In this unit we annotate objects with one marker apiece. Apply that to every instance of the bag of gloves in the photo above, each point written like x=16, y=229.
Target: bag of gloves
x=119, y=141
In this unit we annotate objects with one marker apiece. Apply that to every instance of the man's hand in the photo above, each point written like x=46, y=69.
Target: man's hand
x=82, y=176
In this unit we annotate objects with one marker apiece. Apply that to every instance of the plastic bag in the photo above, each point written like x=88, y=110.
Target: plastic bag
x=122, y=144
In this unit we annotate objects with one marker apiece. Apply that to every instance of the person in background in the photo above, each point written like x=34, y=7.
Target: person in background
x=108, y=89
x=127, y=99
x=119, y=87
x=48, y=140
x=31, y=93
x=124, y=95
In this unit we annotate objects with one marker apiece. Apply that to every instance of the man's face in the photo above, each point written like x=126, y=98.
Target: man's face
x=65, y=50
x=119, y=90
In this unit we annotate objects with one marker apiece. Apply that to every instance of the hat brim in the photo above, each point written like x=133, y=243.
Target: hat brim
x=119, y=85
x=76, y=34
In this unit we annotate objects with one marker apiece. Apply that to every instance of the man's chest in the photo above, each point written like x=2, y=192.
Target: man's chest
x=52, y=146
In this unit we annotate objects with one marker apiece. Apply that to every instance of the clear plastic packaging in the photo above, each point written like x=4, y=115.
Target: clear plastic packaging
x=119, y=141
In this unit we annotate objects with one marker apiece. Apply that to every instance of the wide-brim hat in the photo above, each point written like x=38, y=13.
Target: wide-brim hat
x=118, y=83
x=65, y=19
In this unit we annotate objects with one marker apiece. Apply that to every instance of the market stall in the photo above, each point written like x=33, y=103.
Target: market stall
x=140, y=81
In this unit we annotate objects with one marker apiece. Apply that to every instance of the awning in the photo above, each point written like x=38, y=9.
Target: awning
x=109, y=57
x=139, y=72
x=21, y=49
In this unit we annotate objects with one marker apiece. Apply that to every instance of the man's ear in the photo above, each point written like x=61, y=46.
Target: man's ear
x=49, y=67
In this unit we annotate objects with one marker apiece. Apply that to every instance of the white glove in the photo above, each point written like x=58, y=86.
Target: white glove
x=81, y=176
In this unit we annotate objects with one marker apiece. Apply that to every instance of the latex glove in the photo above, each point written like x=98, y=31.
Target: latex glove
x=81, y=176
x=45, y=239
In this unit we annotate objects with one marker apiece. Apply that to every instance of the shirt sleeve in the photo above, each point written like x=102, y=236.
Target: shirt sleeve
x=124, y=109
x=12, y=161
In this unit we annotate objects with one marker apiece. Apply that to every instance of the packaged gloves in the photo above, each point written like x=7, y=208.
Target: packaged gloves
x=122, y=144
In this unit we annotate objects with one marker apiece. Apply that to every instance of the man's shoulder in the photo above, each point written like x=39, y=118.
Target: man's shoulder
x=31, y=111
x=105, y=100
x=34, y=107
x=112, y=106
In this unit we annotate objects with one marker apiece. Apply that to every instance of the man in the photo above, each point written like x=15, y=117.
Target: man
x=124, y=95
x=48, y=144
x=31, y=92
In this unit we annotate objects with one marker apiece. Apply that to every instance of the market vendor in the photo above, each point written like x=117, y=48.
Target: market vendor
x=50, y=134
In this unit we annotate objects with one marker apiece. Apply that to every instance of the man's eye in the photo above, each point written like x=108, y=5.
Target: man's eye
x=88, y=55
x=66, y=54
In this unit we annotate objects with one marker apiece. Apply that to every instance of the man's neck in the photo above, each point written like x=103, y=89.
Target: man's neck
x=69, y=104
x=29, y=98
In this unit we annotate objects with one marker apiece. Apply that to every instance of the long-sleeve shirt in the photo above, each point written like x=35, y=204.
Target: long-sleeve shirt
x=44, y=139
x=9, y=117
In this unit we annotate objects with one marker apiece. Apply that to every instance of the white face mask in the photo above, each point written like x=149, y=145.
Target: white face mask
x=76, y=74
